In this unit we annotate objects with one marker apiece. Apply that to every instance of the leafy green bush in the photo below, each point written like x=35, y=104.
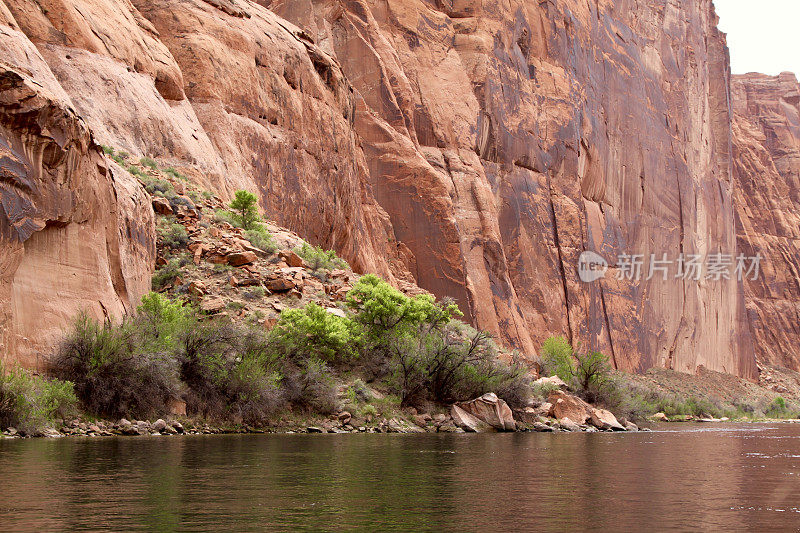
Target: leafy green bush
x=32, y=403
x=114, y=372
x=453, y=363
x=261, y=239
x=140, y=174
x=557, y=357
x=165, y=275
x=245, y=210
x=313, y=333
x=588, y=373
x=107, y=149
x=229, y=372
x=154, y=186
x=318, y=258
x=172, y=234
x=175, y=174
x=780, y=408
x=148, y=162
x=592, y=375
x=380, y=308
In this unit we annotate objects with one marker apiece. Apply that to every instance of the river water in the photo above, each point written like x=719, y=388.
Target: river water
x=684, y=477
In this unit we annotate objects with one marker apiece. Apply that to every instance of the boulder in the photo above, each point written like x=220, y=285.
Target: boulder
x=551, y=380
x=197, y=288
x=605, y=420
x=212, y=305
x=529, y=415
x=280, y=285
x=491, y=410
x=660, y=417
x=159, y=425
x=241, y=258
x=469, y=423
x=292, y=259
x=336, y=311
x=568, y=406
x=161, y=206
x=544, y=409
x=449, y=427
x=630, y=426
x=568, y=425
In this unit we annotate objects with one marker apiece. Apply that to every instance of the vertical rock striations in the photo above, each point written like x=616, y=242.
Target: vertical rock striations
x=505, y=139
x=766, y=159
x=75, y=235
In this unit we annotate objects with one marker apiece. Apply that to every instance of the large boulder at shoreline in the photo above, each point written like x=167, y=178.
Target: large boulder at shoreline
x=566, y=405
x=468, y=422
x=603, y=419
x=491, y=410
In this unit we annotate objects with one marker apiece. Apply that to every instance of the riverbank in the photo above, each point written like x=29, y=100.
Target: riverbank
x=251, y=326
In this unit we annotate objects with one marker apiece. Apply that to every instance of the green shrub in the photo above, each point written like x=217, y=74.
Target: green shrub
x=139, y=173
x=245, y=209
x=318, y=258
x=780, y=408
x=453, y=363
x=148, y=162
x=32, y=403
x=154, y=186
x=172, y=234
x=222, y=215
x=261, y=239
x=229, y=372
x=165, y=275
x=115, y=371
x=123, y=154
x=107, y=149
x=592, y=375
x=256, y=293
x=380, y=308
x=314, y=387
x=313, y=333
x=175, y=174
x=557, y=357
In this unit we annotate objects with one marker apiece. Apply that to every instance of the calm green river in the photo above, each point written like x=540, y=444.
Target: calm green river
x=687, y=478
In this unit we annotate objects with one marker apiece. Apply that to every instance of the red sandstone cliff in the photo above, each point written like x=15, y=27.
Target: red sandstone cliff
x=472, y=147
x=767, y=197
x=75, y=233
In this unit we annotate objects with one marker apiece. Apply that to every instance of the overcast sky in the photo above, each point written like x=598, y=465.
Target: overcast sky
x=763, y=35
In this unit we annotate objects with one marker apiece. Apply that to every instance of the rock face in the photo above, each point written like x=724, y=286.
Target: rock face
x=75, y=233
x=491, y=410
x=766, y=150
x=565, y=405
x=475, y=148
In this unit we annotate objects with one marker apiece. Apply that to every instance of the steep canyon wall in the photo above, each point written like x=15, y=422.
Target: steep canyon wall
x=475, y=148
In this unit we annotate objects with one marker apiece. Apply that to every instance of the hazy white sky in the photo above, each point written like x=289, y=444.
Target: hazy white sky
x=763, y=35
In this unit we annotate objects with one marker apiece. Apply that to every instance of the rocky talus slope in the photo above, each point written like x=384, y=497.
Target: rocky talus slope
x=472, y=148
